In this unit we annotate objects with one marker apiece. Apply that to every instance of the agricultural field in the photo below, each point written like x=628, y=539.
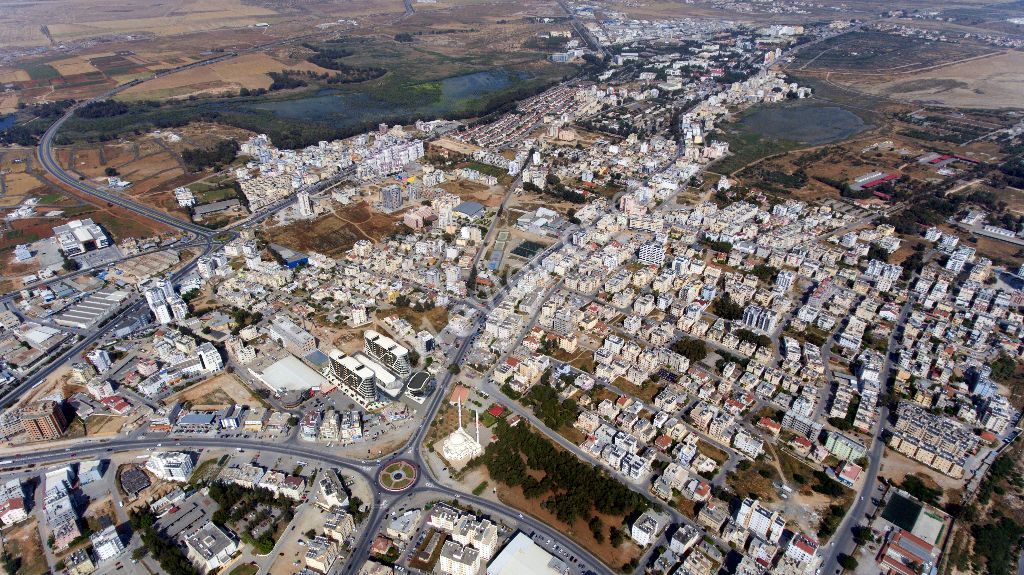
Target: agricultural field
x=152, y=163
x=867, y=53
x=228, y=77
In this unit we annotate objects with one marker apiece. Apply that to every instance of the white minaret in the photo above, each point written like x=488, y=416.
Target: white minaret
x=477, y=411
x=460, y=413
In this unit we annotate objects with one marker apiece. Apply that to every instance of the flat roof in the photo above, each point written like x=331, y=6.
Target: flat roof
x=290, y=374
x=522, y=555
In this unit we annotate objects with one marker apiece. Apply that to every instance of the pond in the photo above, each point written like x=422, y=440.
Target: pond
x=809, y=123
x=349, y=108
x=6, y=121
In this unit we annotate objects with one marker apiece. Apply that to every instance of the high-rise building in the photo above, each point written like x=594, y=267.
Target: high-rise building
x=292, y=337
x=100, y=359
x=388, y=352
x=359, y=316
x=457, y=559
x=154, y=296
x=212, y=361
x=162, y=313
x=351, y=373
x=106, y=544
x=759, y=318
x=43, y=420
x=171, y=465
x=784, y=281
x=179, y=309
x=391, y=197
x=206, y=266
x=652, y=254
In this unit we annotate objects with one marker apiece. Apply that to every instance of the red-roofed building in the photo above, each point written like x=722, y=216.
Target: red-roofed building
x=802, y=548
x=801, y=444
x=380, y=546
x=496, y=410
x=904, y=550
x=117, y=404
x=848, y=473
x=663, y=442
x=702, y=492
x=770, y=425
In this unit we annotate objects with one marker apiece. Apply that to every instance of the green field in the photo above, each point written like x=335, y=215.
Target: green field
x=41, y=71
x=746, y=148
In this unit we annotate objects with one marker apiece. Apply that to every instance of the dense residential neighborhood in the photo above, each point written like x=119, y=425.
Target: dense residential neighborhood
x=559, y=338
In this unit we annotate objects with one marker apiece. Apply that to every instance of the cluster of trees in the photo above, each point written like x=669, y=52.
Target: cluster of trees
x=1000, y=470
x=576, y=489
x=330, y=57
x=915, y=486
x=197, y=159
x=765, y=272
x=718, y=246
x=9, y=563
x=691, y=348
x=553, y=412
x=170, y=557
x=28, y=133
x=754, y=338
x=236, y=502
x=285, y=81
x=997, y=543
x=102, y=109
x=403, y=37
x=556, y=188
x=243, y=318
x=830, y=522
x=725, y=308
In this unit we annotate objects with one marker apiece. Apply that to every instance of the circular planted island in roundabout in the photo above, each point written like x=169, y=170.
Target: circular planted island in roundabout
x=398, y=476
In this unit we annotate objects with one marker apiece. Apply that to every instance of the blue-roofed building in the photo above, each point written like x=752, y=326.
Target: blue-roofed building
x=317, y=358
x=470, y=210
x=291, y=258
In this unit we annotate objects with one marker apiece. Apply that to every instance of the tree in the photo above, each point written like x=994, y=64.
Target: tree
x=725, y=308
x=615, y=536
x=111, y=171
x=10, y=564
x=454, y=369
x=692, y=349
x=847, y=562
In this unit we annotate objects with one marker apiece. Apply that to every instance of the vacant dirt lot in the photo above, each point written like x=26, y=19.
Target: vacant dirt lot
x=103, y=424
x=215, y=393
x=334, y=234
x=23, y=543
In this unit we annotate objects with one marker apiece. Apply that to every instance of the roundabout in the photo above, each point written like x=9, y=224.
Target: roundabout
x=398, y=476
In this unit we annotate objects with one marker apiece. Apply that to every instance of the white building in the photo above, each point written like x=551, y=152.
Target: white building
x=171, y=465
x=80, y=236
x=106, y=544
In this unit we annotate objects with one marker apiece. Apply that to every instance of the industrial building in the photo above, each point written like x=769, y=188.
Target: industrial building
x=92, y=310
x=79, y=236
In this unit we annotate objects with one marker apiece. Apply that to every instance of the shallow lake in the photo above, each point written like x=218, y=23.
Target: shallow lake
x=808, y=123
x=6, y=121
x=353, y=108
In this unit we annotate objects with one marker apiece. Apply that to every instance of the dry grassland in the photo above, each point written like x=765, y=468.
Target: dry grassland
x=995, y=81
x=247, y=71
